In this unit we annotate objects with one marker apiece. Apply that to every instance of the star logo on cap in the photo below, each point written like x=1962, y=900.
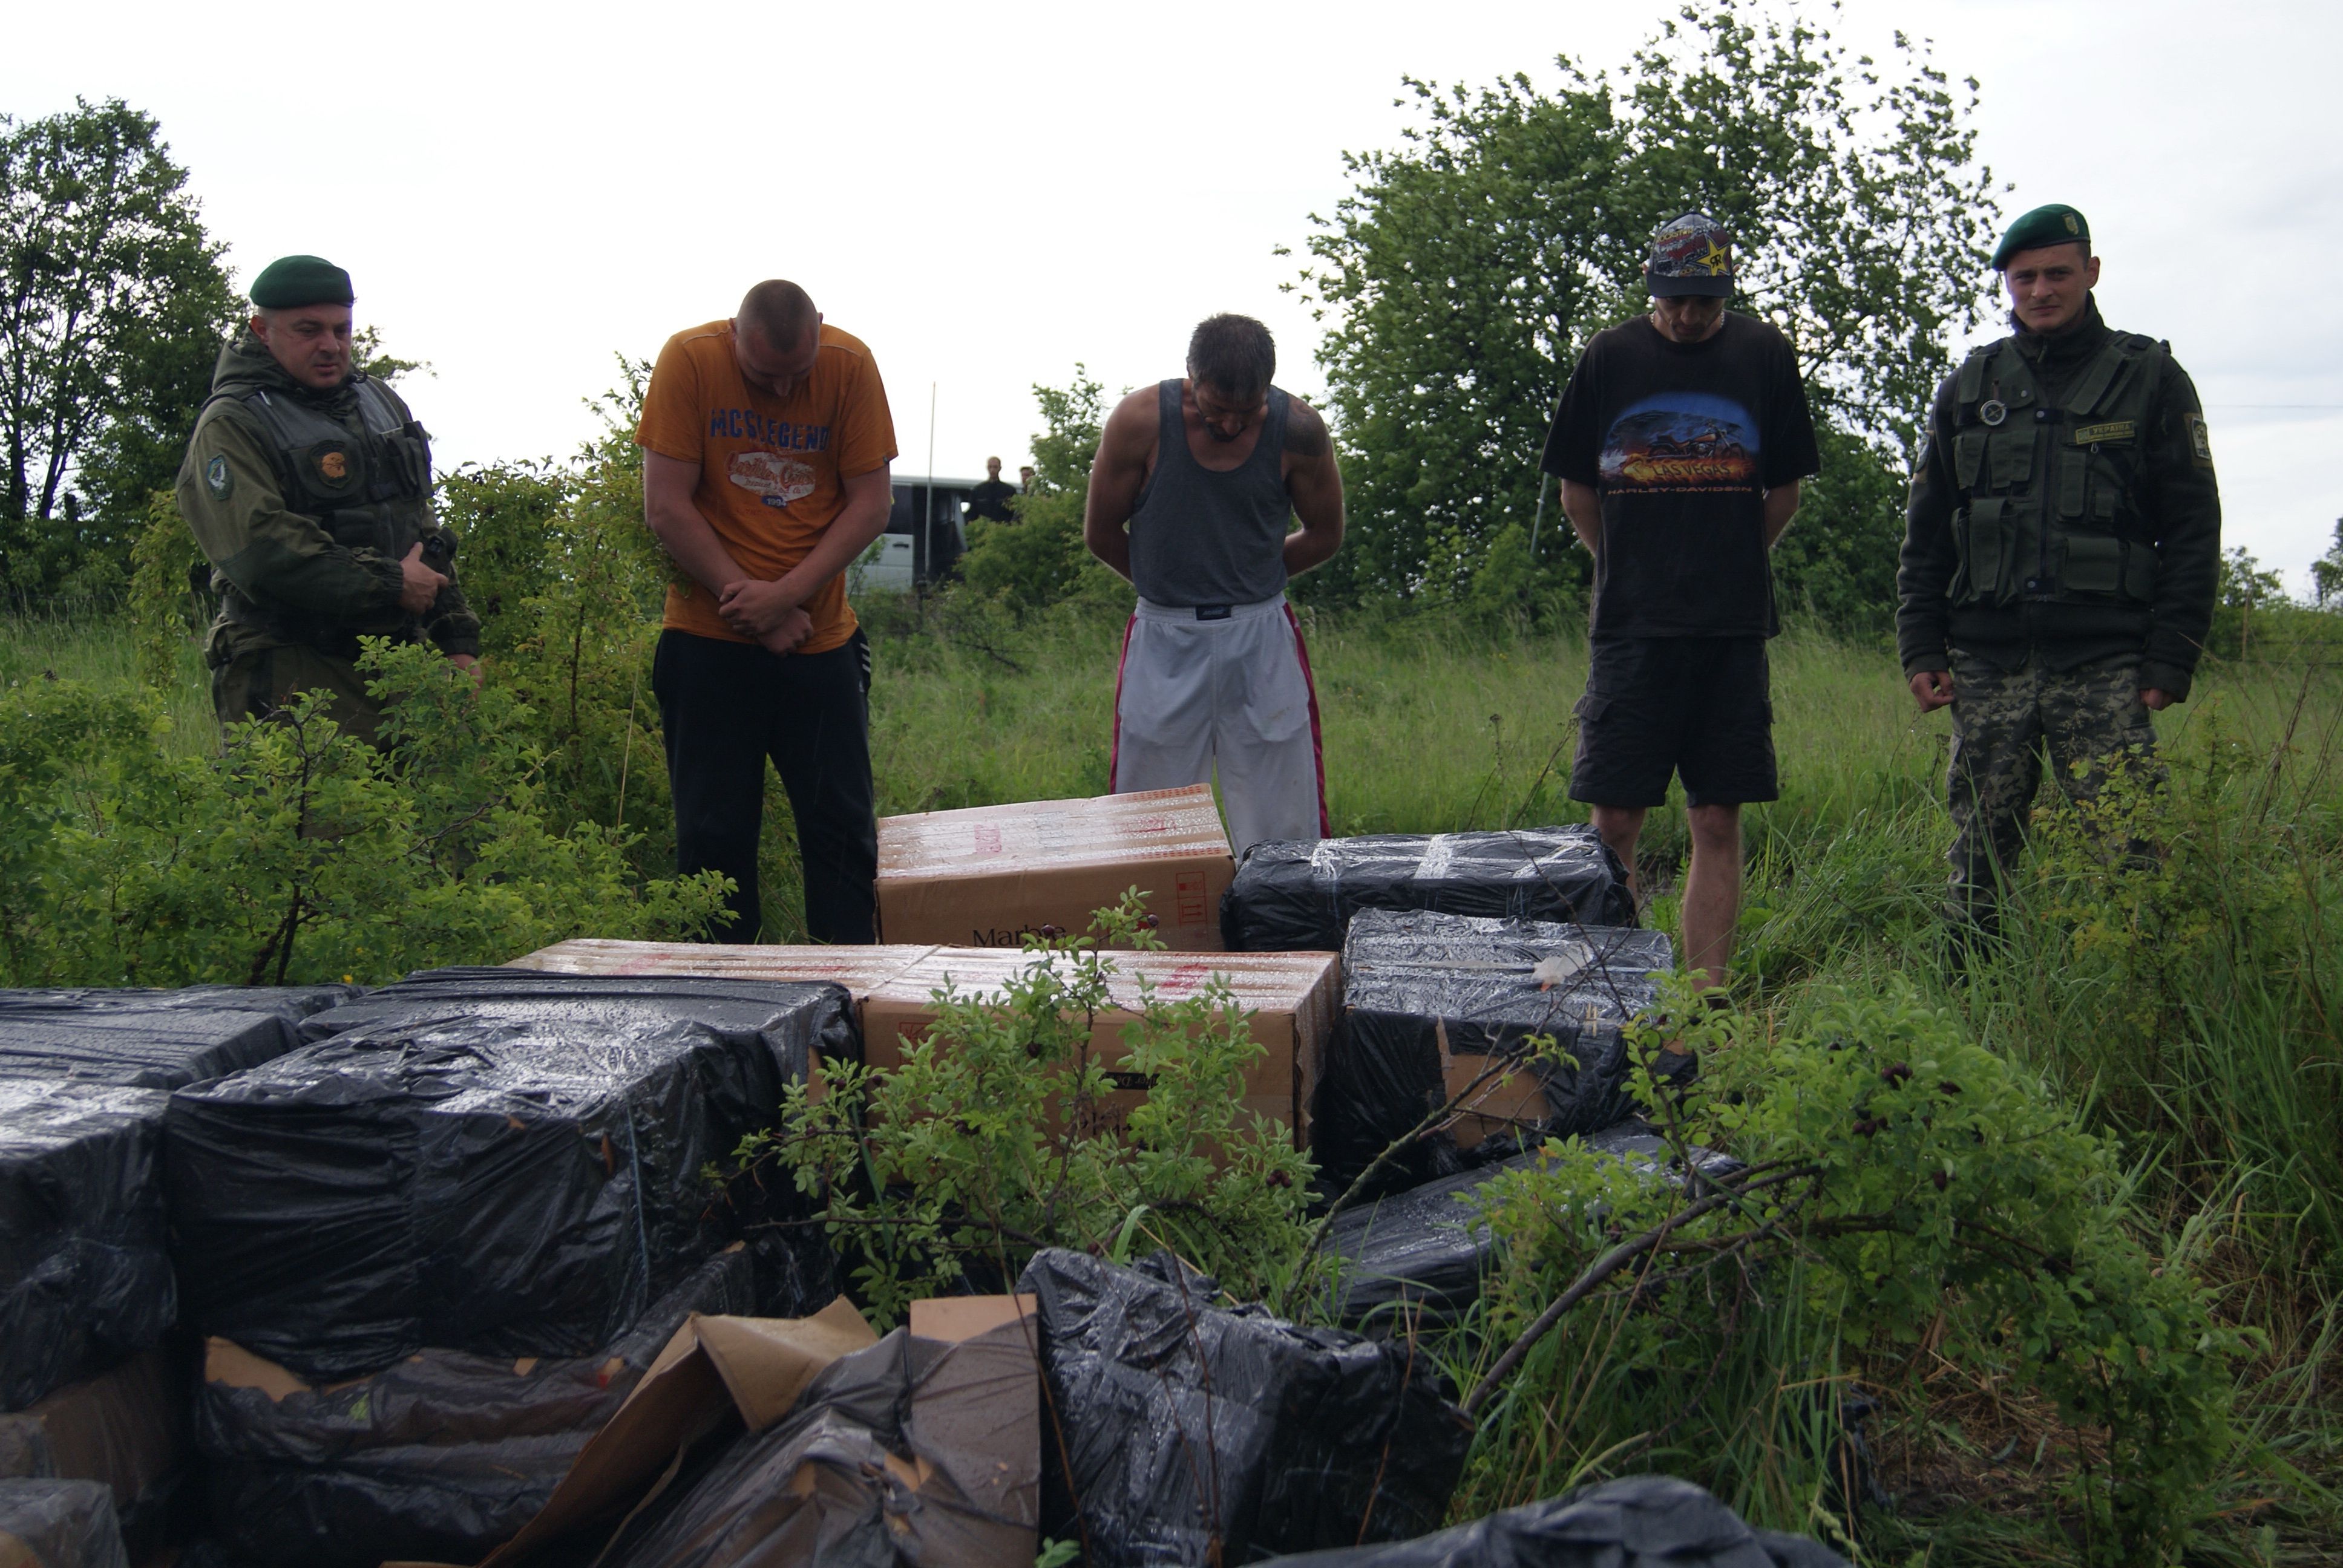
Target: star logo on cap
x=1718, y=261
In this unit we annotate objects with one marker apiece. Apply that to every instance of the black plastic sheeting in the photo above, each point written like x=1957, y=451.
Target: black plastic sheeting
x=60, y=1525
x=1196, y=1434
x=1428, y=999
x=154, y=1039
x=443, y=1456
x=492, y=1161
x=829, y=1484
x=1300, y=894
x=456, y=1396
x=1428, y=1248
x=85, y=1275
x=1636, y=1522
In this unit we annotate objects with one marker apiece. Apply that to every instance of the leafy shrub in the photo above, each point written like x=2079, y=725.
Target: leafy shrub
x=299, y=852
x=999, y=1135
x=1903, y=1186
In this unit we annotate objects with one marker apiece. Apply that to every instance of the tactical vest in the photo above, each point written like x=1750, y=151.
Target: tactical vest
x=373, y=493
x=2049, y=497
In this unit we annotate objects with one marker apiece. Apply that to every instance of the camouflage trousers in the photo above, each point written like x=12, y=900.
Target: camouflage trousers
x=256, y=682
x=2004, y=722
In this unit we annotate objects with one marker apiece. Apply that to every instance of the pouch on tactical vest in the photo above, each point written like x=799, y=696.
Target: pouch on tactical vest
x=2049, y=496
x=372, y=493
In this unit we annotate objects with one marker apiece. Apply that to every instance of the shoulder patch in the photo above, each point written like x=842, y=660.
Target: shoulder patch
x=2200, y=441
x=218, y=479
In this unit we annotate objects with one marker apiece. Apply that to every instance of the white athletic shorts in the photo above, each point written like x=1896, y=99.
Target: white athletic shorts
x=1227, y=688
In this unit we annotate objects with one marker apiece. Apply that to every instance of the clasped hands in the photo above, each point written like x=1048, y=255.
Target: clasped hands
x=765, y=612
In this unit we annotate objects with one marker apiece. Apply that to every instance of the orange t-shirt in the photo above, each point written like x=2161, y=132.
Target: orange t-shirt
x=772, y=471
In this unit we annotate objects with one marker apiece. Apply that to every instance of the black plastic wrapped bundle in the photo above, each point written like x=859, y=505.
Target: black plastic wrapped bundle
x=1635, y=1522
x=453, y=1396
x=909, y=1451
x=1302, y=894
x=1195, y=1434
x=60, y=1525
x=154, y=1039
x=1429, y=1247
x=85, y=1275
x=489, y=1159
x=1429, y=999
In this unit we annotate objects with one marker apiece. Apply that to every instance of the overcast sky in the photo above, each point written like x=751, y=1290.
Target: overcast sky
x=987, y=195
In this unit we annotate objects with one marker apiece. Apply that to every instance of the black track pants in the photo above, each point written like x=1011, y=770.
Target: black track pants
x=728, y=705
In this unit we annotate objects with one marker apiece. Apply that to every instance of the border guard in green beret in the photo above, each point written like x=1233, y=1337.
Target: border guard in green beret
x=307, y=484
x=2061, y=553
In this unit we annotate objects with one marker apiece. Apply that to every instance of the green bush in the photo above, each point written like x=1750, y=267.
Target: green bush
x=997, y=1137
x=1903, y=1185
x=297, y=853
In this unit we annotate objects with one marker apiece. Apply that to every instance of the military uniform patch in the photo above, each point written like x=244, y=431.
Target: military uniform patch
x=2113, y=430
x=218, y=479
x=2200, y=440
x=334, y=465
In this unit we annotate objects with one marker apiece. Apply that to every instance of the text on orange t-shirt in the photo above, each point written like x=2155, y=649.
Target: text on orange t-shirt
x=773, y=470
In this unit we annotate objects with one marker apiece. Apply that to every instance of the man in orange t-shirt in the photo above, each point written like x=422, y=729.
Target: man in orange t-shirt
x=766, y=444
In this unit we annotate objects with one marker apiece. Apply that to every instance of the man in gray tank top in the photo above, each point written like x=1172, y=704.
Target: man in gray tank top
x=1207, y=472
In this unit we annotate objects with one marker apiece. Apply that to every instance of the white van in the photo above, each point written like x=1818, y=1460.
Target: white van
x=910, y=555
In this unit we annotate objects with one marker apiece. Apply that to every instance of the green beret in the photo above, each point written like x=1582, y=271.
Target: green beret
x=291, y=281
x=2056, y=224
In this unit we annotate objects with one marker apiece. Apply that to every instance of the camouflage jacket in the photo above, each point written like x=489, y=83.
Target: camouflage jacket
x=304, y=502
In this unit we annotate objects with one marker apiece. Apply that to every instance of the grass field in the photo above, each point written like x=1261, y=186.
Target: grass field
x=2200, y=1024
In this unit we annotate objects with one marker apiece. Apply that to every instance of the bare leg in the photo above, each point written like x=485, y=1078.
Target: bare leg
x=1711, y=896
x=1619, y=827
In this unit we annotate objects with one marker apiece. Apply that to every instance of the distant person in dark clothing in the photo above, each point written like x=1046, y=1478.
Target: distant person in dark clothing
x=991, y=499
x=1680, y=442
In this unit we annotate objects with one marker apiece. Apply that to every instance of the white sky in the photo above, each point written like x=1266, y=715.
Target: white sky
x=987, y=195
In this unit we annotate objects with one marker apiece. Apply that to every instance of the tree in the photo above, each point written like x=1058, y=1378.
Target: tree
x=1467, y=269
x=2326, y=574
x=113, y=302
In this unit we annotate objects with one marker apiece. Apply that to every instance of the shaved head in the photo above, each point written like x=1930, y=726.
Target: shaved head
x=779, y=312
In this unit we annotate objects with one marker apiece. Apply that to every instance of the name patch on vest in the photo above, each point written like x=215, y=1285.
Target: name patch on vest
x=2113, y=430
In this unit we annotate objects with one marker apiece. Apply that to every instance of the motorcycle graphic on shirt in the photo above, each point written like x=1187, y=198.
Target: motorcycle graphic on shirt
x=1682, y=441
x=774, y=480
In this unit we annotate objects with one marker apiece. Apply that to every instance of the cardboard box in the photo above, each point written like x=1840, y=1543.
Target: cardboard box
x=857, y=969
x=993, y=875
x=1294, y=999
x=127, y=1427
x=967, y=1493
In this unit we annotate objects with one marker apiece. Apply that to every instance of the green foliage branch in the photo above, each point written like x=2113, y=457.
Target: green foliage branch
x=298, y=852
x=1902, y=1186
x=1000, y=1134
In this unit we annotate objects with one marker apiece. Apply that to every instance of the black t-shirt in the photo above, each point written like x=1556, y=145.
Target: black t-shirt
x=990, y=498
x=1684, y=440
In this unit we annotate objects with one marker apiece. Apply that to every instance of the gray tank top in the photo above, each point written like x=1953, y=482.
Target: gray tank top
x=1197, y=538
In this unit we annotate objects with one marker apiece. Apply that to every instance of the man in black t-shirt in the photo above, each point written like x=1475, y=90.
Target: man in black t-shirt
x=991, y=499
x=1680, y=442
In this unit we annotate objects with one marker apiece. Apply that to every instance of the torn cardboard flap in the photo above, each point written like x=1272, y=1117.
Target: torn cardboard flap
x=973, y=1422
x=989, y=876
x=857, y=969
x=912, y=1450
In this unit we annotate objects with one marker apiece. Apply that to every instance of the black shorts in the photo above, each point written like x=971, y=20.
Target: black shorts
x=1656, y=705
